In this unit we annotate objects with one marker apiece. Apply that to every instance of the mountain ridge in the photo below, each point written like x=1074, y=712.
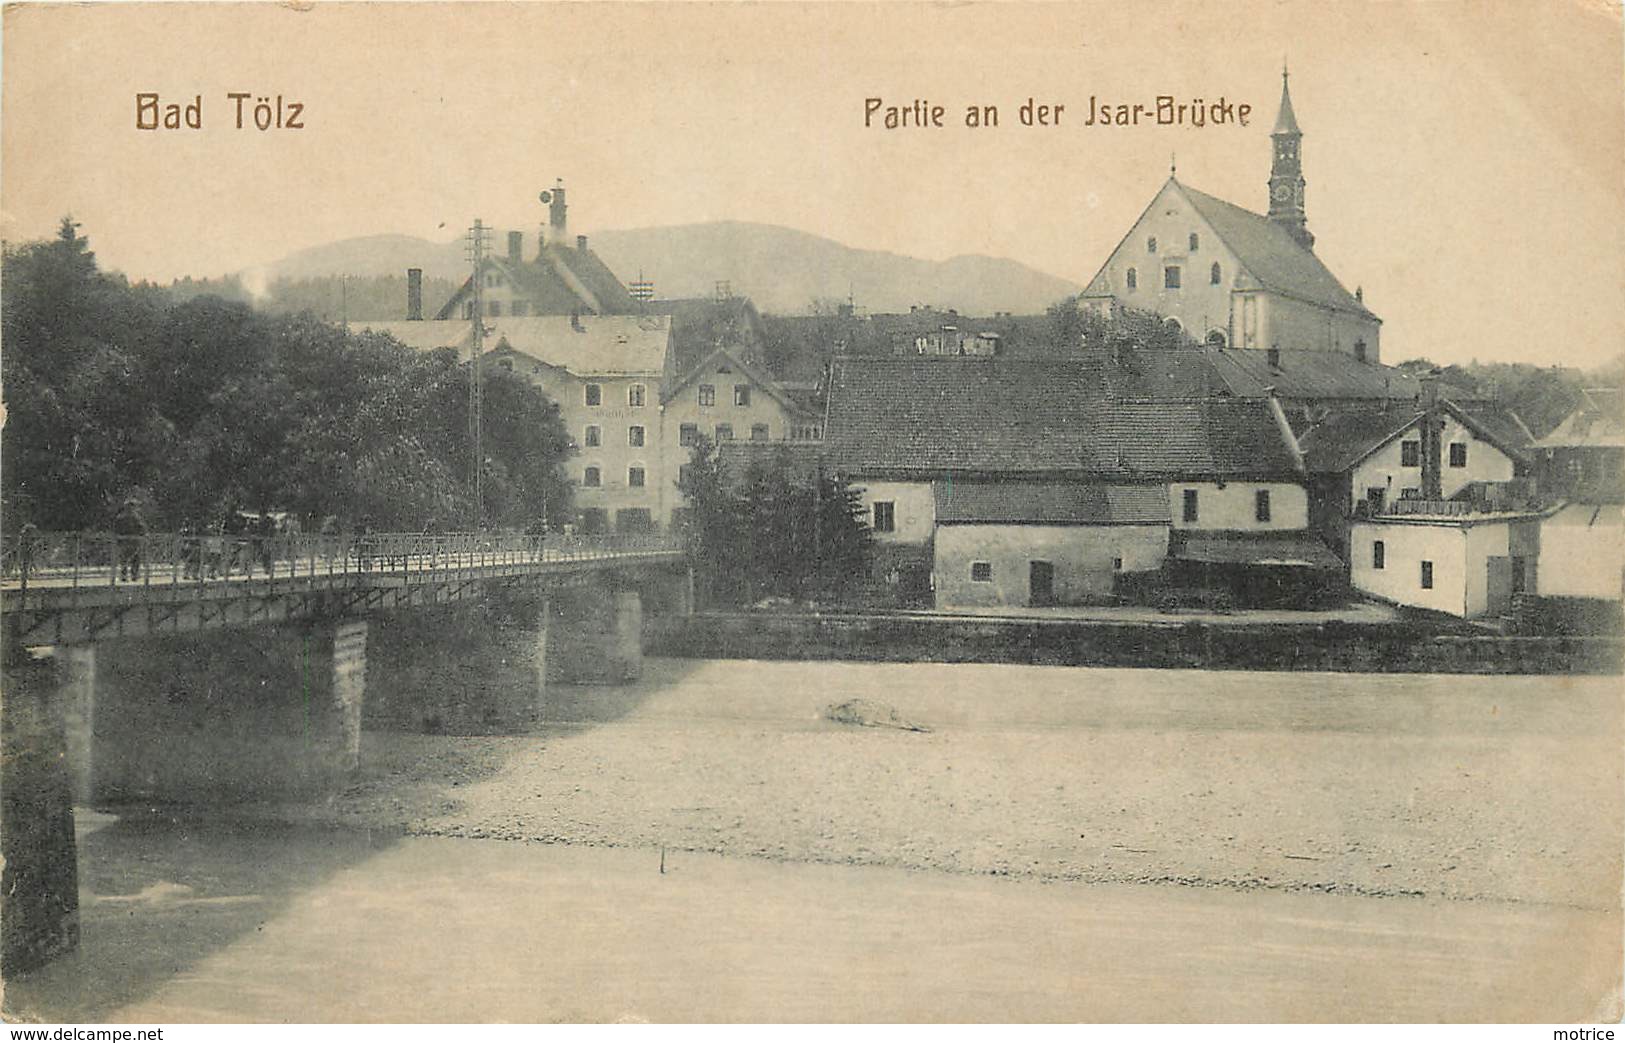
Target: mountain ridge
x=783, y=270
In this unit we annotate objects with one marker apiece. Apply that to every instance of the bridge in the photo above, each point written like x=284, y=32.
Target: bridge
x=181, y=668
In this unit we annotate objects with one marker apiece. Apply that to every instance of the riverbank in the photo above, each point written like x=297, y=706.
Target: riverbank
x=1369, y=643
x=1401, y=786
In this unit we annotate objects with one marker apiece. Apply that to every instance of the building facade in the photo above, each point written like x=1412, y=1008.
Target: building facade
x=1233, y=278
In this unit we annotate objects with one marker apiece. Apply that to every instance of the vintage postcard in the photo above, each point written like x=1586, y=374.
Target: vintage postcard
x=795, y=512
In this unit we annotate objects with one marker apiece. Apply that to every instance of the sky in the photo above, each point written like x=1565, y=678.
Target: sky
x=1465, y=161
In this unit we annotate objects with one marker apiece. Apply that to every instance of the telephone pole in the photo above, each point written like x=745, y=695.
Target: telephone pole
x=477, y=241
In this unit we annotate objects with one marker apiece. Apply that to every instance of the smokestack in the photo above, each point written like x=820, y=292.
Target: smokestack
x=1429, y=382
x=1432, y=426
x=516, y=247
x=558, y=224
x=581, y=242
x=414, y=294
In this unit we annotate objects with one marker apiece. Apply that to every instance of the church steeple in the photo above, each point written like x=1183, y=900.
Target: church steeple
x=1286, y=171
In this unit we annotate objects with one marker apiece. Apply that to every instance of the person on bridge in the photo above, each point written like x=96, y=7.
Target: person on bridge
x=131, y=529
x=265, y=533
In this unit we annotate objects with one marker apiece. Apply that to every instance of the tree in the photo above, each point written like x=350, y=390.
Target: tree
x=208, y=407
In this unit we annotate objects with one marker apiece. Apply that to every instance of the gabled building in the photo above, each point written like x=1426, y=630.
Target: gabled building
x=1583, y=458
x=563, y=277
x=605, y=373
x=1363, y=457
x=1234, y=278
x=1021, y=457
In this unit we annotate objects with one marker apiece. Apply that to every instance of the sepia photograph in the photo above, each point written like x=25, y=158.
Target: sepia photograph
x=805, y=513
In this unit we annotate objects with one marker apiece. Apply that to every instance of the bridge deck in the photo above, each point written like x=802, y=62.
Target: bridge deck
x=66, y=587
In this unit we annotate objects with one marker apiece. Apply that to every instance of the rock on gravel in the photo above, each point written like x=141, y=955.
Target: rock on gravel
x=867, y=714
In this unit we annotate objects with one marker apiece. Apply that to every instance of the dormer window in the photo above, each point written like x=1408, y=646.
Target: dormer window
x=1151, y=245
x=1133, y=279
x=1196, y=242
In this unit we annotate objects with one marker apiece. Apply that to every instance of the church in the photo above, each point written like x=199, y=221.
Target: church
x=1234, y=278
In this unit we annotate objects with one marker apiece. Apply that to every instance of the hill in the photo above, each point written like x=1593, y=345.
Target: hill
x=780, y=269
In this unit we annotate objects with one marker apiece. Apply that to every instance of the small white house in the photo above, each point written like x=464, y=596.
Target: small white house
x=1466, y=565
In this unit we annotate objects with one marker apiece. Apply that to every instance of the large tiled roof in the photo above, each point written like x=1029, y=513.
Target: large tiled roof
x=604, y=345
x=1334, y=440
x=1303, y=373
x=1051, y=502
x=979, y=415
x=1272, y=256
x=562, y=280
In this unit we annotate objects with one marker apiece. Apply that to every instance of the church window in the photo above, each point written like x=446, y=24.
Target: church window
x=1196, y=242
x=1133, y=279
x=1213, y=274
x=1151, y=245
x=1170, y=277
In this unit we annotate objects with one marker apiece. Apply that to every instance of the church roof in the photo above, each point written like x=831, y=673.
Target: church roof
x=1285, y=121
x=1272, y=256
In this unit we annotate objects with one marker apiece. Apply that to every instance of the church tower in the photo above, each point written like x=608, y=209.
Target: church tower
x=1286, y=172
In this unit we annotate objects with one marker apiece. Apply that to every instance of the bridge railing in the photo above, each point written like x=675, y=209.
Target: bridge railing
x=102, y=559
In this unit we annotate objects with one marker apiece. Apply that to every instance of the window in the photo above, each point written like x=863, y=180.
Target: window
x=708, y=394
x=1261, y=505
x=1151, y=245
x=1379, y=554
x=1133, y=279
x=758, y=432
x=1427, y=575
x=981, y=572
x=634, y=477
x=1196, y=242
x=741, y=394
x=634, y=435
x=594, y=520
x=685, y=474
x=1213, y=274
x=634, y=396
x=1375, y=498
x=725, y=432
x=1170, y=277
x=885, y=516
x=1410, y=492
x=1359, y=351
x=517, y=308
x=1458, y=454
x=1410, y=454
x=688, y=434
x=592, y=478
x=494, y=309
x=595, y=436
x=595, y=395
x=1190, y=505
x=1117, y=564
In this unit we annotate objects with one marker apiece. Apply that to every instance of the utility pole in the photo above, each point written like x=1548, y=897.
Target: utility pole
x=478, y=240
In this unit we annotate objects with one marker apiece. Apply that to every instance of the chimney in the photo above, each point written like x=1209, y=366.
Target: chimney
x=541, y=243
x=516, y=247
x=581, y=242
x=557, y=224
x=575, y=322
x=1432, y=426
x=414, y=294
x=1429, y=396
x=1274, y=356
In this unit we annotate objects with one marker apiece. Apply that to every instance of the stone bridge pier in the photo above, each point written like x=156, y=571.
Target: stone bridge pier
x=250, y=713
